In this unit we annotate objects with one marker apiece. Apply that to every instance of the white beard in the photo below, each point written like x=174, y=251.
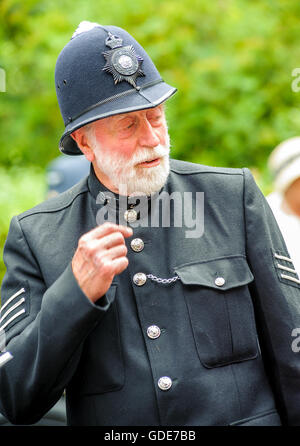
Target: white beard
x=130, y=179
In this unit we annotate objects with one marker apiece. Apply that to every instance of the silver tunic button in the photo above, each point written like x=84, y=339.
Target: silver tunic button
x=153, y=332
x=164, y=383
x=139, y=279
x=137, y=244
x=220, y=281
x=130, y=215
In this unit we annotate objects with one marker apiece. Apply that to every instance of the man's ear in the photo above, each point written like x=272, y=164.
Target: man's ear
x=82, y=141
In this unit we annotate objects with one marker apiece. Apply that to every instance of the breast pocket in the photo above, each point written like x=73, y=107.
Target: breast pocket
x=220, y=309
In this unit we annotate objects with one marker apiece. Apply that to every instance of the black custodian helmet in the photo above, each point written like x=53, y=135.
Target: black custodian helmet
x=103, y=71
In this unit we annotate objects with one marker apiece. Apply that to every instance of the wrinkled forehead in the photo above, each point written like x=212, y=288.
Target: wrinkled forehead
x=145, y=112
x=112, y=121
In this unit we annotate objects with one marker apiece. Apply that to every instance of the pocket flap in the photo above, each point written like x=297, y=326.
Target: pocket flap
x=222, y=273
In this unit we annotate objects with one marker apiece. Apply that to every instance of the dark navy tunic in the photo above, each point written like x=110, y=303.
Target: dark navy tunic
x=210, y=346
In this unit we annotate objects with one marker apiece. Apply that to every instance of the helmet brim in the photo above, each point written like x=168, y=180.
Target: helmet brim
x=132, y=100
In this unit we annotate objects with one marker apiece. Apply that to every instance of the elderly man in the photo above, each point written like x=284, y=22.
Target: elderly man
x=141, y=321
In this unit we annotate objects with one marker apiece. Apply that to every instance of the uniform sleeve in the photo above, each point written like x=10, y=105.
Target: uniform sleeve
x=44, y=330
x=276, y=298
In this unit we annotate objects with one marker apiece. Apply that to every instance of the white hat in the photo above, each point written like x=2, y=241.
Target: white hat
x=284, y=163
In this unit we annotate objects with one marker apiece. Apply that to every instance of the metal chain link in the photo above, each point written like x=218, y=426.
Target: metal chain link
x=160, y=280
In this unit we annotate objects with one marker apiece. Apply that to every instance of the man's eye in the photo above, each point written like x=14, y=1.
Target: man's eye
x=155, y=119
x=127, y=125
x=154, y=115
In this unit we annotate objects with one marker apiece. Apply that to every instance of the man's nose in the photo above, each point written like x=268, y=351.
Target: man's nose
x=148, y=137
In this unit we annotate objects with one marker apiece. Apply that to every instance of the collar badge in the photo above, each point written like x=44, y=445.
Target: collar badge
x=122, y=61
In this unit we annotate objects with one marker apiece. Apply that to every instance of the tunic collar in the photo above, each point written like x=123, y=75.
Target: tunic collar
x=104, y=196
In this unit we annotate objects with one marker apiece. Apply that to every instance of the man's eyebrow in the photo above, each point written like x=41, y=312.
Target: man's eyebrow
x=160, y=107
x=122, y=117
x=118, y=118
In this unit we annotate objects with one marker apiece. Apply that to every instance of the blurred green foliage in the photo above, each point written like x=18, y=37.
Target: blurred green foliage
x=20, y=189
x=231, y=60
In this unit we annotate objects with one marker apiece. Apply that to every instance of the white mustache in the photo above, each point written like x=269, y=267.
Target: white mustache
x=143, y=155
